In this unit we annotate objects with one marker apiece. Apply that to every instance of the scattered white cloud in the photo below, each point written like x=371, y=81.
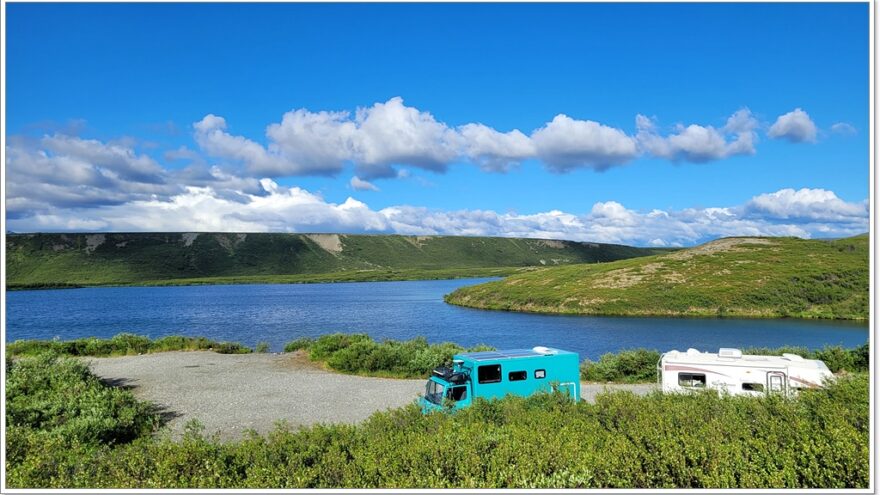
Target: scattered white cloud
x=697, y=143
x=359, y=184
x=213, y=139
x=565, y=144
x=843, y=128
x=795, y=126
x=392, y=133
x=275, y=208
x=380, y=139
x=314, y=143
x=495, y=151
x=805, y=205
x=65, y=171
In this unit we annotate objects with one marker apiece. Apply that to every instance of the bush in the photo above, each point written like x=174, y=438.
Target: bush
x=120, y=345
x=262, y=347
x=57, y=396
x=632, y=366
x=358, y=353
x=231, y=348
x=820, y=440
x=298, y=344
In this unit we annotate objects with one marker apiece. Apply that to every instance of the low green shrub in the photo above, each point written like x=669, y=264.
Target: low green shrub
x=231, y=348
x=298, y=344
x=630, y=366
x=53, y=396
x=121, y=345
x=262, y=347
x=703, y=440
x=359, y=354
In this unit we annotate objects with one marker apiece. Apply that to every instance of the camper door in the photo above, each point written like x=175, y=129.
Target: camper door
x=776, y=382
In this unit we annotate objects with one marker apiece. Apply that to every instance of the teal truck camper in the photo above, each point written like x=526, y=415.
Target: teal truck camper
x=494, y=374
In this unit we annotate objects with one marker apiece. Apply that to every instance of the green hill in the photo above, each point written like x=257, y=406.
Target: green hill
x=57, y=260
x=744, y=277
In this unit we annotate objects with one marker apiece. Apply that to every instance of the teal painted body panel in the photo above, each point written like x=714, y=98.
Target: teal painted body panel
x=495, y=374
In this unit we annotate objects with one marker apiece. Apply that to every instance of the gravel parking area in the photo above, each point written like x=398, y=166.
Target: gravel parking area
x=231, y=393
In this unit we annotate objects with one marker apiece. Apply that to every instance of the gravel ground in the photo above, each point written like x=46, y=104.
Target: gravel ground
x=231, y=393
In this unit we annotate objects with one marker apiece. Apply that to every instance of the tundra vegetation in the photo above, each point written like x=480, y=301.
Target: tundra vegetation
x=359, y=354
x=66, y=429
x=36, y=261
x=122, y=344
x=754, y=277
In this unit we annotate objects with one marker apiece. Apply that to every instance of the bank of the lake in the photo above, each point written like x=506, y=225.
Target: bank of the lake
x=278, y=314
x=747, y=277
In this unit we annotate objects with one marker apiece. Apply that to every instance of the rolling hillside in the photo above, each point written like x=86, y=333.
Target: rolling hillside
x=744, y=277
x=58, y=260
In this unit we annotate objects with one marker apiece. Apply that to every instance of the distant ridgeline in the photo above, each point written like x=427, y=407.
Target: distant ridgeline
x=755, y=277
x=60, y=260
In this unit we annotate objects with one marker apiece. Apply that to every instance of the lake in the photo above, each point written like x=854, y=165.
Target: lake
x=385, y=310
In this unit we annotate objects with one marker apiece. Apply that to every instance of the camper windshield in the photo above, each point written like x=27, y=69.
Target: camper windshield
x=434, y=392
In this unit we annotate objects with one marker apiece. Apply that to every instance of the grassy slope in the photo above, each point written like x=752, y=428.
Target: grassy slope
x=747, y=277
x=45, y=260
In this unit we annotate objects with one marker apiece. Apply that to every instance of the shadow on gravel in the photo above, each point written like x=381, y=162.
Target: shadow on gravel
x=165, y=415
x=123, y=383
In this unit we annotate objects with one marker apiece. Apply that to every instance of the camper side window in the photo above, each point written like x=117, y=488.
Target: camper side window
x=691, y=380
x=540, y=374
x=753, y=387
x=489, y=374
x=456, y=393
x=516, y=376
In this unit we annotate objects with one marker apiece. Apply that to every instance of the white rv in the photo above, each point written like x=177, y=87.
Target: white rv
x=737, y=374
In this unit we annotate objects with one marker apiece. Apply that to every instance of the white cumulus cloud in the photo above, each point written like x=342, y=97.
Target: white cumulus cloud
x=276, y=208
x=806, y=205
x=359, y=184
x=495, y=151
x=697, y=143
x=795, y=126
x=843, y=128
x=565, y=143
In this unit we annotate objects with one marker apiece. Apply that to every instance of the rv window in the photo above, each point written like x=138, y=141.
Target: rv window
x=433, y=392
x=489, y=374
x=516, y=376
x=456, y=393
x=753, y=387
x=540, y=373
x=691, y=380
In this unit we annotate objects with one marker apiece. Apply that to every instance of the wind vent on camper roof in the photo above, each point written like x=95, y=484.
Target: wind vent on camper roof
x=544, y=350
x=729, y=352
x=692, y=352
x=792, y=357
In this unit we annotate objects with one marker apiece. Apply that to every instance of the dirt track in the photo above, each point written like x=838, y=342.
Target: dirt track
x=230, y=393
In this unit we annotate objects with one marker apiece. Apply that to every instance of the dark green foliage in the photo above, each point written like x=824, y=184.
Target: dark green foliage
x=359, y=354
x=36, y=261
x=52, y=396
x=121, y=345
x=630, y=366
x=300, y=343
x=640, y=365
x=819, y=440
x=770, y=277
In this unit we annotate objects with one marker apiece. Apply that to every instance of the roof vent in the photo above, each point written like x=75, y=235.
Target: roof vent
x=792, y=357
x=544, y=350
x=692, y=352
x=729, y=352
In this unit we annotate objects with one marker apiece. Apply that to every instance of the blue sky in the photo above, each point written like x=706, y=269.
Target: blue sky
x=99, y=94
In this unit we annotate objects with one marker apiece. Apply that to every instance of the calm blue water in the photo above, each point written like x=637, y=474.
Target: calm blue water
x=395, y=310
